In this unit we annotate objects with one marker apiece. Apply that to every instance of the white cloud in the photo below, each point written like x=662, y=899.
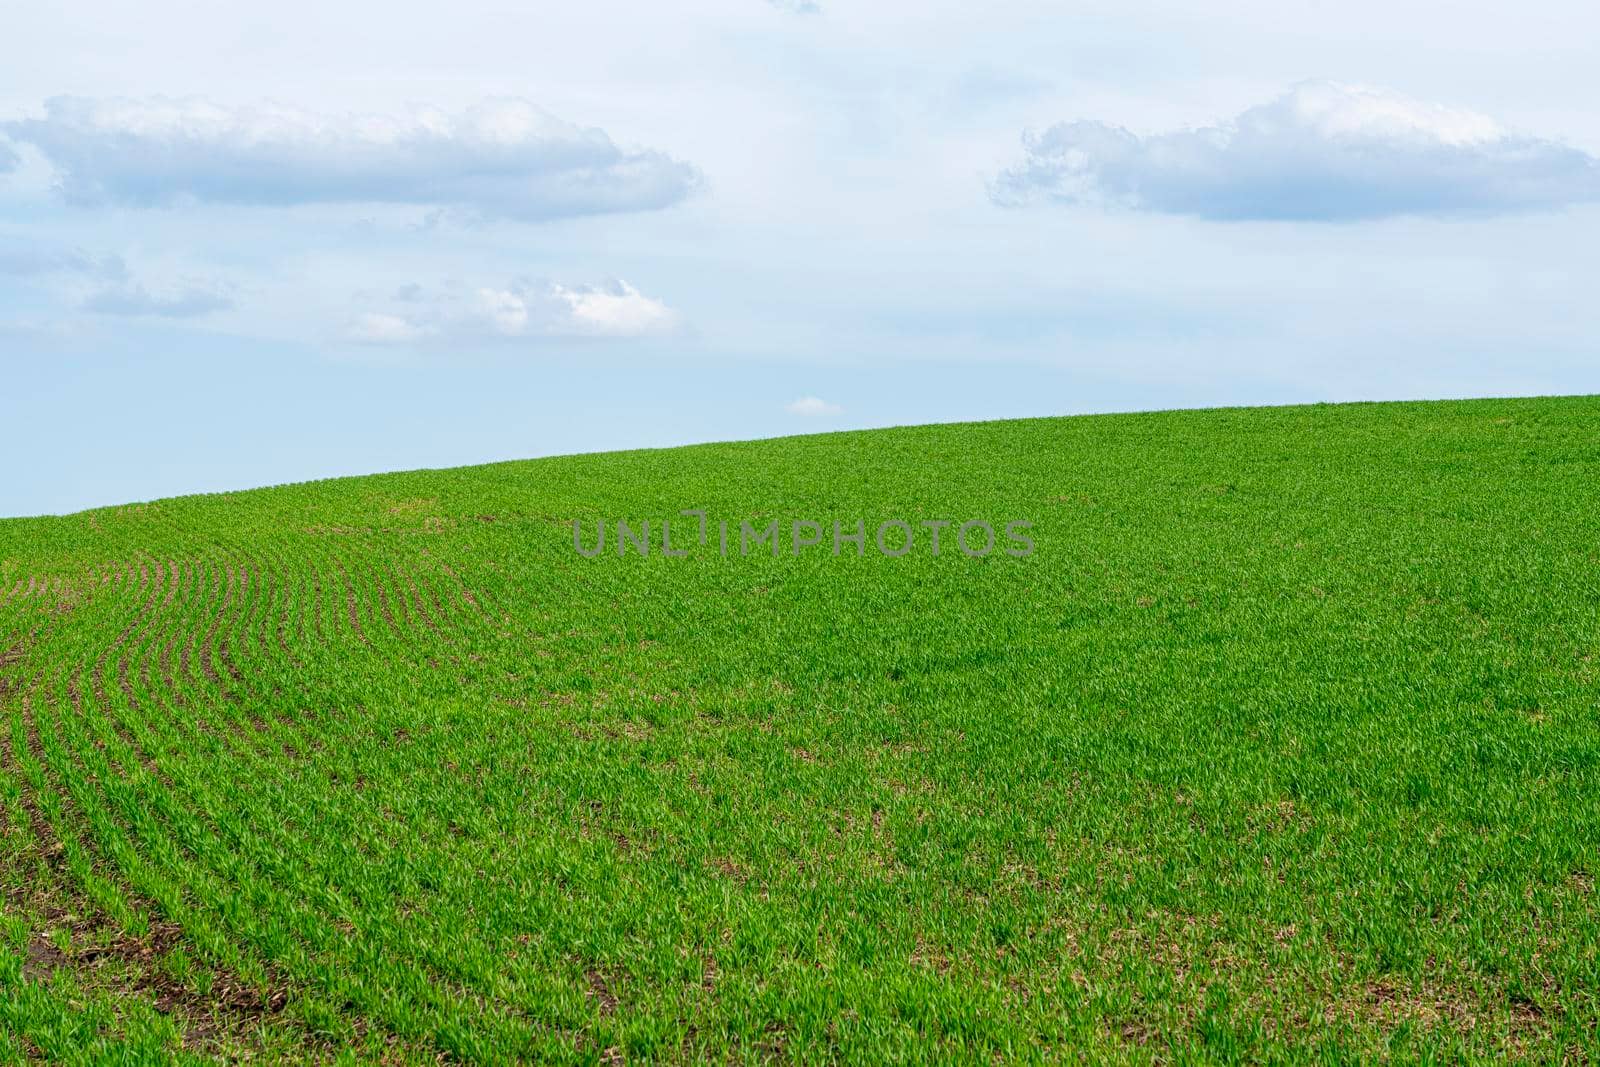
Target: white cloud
x=813, y=407
x=1322, y=151
x=132, y=298
x=505, y=158
x=797, y=7
x=617, y=310
x=522, y=309
x=379, y=329
x=505, y=310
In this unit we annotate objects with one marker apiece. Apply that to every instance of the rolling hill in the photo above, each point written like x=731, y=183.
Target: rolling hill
x=1280, y=740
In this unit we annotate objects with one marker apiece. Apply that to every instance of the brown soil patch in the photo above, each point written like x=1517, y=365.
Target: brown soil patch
x=600, y=990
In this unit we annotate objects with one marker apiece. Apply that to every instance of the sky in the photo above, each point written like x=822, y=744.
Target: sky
x=247, y=245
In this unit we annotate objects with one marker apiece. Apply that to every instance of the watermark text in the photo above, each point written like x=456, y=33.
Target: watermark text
x=692, y=529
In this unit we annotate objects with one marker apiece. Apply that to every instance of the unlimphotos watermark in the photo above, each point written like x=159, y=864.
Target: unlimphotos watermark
x=974, y=538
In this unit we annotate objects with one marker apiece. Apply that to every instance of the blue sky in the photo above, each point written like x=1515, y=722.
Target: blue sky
x=246, y=248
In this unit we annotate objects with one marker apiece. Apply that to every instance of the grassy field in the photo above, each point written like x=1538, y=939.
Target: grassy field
x=1284, y=743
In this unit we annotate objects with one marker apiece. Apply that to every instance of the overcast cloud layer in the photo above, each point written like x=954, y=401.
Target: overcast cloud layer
x=502, y=158
x=1320, y=152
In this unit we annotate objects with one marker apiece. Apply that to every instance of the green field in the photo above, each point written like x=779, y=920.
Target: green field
x=1283, y=744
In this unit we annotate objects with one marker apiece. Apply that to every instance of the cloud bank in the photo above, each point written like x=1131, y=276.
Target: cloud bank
x=505, y=158
x=520, y=310
x=1320, y=152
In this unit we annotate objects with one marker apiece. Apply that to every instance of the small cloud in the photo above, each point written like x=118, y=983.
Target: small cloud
x=504, y=158
x=1321, y=152
x=9, y=160
x=813, y=407
x=134, y=299
x=614, y=310
x=521, y=309
x=376, y=329
x=797, y=7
